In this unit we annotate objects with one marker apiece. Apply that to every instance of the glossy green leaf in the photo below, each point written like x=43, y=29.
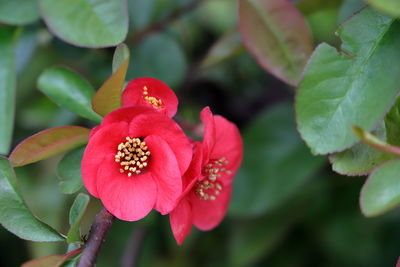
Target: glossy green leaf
x=375, y=142
x=15, y=215
x=360, y=159
x=348, y=8
x=228, y=46
x=52, y=260
x=69, y=171
x=48, y=143
x=108, y=97
x=381, y=191
x=391, y=7
x=75, y=216
x=18, y=12
x=121, y=54
x=275, y=165
x=69, y=90
x=7, y=88
x=159, y=56
x=277, y=35
x=252, y=240
x=88, y=23
x=392, y=124
x=344, y=89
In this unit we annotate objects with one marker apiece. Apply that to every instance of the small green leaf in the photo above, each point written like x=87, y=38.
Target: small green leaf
x=121, y=54
x=227, y=46
x=344, y=89
x=48, y=143
x=375, y=142
x=392, y=124
x=360, y=159
x=276, y=163
x=277, y=35
x=88, y=23
x=52, y=260
x=381, y=191
x=69, y=90
x=247, y=245
x=108, y=97
x=15, y=215
x=7, y=88
x=18, y=12
x=69, y=170
x=391, y=7
x=159, y=56
x=75, y=216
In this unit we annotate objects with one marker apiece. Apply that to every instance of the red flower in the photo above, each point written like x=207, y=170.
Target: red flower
x=208, y=181
x=134, y=162
x=152, y=93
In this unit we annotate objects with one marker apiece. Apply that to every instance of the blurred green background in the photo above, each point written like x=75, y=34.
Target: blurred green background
x=288, y=208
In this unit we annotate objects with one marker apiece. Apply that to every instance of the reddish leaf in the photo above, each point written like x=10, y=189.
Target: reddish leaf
x=52, y=260
x=108, y=97
x=277, y=35
x=48, y=143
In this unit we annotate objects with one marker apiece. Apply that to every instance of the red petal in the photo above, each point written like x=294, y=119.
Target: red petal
x=180, y=220
x=164, y=127
x=165, y=171
x=133, y=95
x=194, y=170
x=207, y=214
x=126, y=114
x=228, y=143
x=209, y=130
x=103, y=142
x=127, y=198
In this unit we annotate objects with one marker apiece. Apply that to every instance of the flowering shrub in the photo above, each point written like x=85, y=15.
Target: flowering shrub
x=138, y=159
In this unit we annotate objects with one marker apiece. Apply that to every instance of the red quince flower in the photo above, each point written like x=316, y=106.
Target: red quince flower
x=152, y=93
x=134, y=162
x=208, y=181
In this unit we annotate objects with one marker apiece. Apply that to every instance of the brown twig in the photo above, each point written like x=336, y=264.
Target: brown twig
x=161, y=24
x=98, y=231
x=131, y=253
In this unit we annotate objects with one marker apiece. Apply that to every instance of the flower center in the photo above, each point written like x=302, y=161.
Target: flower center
x=133, y=156
x=210, y=187
x=155, y=102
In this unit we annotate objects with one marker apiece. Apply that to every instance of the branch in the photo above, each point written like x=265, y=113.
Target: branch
x=161, y=24
x=102, y=223
x=131, y=254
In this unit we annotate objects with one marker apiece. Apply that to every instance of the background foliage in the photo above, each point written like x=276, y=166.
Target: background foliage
x=288, y=208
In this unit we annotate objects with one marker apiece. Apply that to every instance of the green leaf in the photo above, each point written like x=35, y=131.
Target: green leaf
x=121, y=54
x=275, y=165
x=52, y=260
x=48, y=143
x=344, y=89
x=75, y=216
x=15, y=215
x=69, y=90
x=391, y=7
x=392, y=124
x=159, y=56
x=247, y=245
x=360, y=159
x=381, y=191
x=88, y=23
x=69, y=170
x=280, y=48
x=18, y=12
x=7, y=88
x=226, y=47
x=108, y=97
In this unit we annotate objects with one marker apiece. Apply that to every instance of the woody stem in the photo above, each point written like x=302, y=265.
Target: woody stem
x=102, y=223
